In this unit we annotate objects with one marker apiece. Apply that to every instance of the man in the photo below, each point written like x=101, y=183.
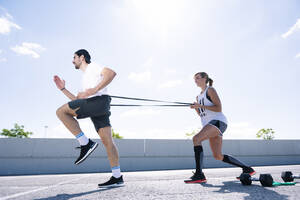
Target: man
x=93, y=101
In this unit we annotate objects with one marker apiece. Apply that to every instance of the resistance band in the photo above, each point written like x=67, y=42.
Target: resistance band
x=180, y=104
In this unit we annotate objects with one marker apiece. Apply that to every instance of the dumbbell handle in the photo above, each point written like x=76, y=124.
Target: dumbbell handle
x=254, y=179
x=294, y=176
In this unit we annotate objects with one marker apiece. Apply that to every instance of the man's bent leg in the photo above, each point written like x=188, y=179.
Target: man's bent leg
x=66, y=115
x=87, y=146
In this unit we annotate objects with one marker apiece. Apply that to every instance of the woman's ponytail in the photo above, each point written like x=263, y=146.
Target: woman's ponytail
x=210, y=81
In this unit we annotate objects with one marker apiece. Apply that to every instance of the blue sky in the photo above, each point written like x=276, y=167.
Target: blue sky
x=249, y=48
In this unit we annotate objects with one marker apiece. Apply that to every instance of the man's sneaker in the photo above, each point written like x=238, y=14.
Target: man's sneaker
x=112, y=182
x=85, y=151
x=197, y=178
x=248, y=170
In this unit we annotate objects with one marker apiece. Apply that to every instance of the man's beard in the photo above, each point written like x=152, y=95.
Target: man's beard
x=77, y=66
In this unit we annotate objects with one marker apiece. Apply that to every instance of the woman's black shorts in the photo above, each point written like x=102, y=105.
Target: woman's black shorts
x=221, y=126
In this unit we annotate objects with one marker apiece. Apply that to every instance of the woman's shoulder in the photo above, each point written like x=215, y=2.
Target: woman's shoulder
x=210, y=89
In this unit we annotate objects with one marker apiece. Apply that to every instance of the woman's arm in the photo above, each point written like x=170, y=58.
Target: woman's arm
x=197, y=110
x=212, y=93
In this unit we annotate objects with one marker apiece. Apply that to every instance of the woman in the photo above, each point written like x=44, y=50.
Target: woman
x=214, y=122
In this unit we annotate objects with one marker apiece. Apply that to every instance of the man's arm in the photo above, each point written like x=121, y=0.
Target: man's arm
x=69, y=94
x=60, y=84
x=108, y=76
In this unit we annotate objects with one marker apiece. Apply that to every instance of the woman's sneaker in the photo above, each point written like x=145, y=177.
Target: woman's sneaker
x=247, y=170
x=85, y=151
x=197, y=178
x=112, y=182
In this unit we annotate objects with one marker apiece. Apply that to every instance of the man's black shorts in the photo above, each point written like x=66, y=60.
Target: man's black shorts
x=97, y=108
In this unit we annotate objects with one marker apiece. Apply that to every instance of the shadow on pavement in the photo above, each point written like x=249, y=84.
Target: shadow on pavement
x=254, y=191
x=70, y=196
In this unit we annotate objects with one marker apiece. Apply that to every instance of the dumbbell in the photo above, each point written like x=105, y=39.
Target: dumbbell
x=266, y=180
x=287, y=176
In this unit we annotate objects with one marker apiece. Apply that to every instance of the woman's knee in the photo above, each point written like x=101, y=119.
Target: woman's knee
x=218, y=156
x=196, y=140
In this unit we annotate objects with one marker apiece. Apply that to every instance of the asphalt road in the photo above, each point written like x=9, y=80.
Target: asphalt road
x=143, y=185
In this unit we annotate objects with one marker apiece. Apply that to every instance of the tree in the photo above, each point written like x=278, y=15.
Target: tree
x=116, y=135
x=266, y=134
x=194, y=132
x=17, y=131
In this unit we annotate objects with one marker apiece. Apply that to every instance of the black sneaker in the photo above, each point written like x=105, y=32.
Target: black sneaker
x=247, y=170
x=85, y=151
x=112, y=182
x=197, y=178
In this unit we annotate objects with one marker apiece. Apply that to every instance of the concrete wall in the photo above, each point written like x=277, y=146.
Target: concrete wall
x=46, y=156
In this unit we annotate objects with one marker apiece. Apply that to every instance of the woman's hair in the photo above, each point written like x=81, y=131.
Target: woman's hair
x=86, y=55
x=205, y=75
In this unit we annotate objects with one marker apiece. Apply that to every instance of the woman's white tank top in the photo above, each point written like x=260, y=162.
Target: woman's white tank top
x=208, y=115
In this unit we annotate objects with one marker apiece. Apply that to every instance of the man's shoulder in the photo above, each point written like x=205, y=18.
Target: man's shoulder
x=95, y=67
x=98, y=67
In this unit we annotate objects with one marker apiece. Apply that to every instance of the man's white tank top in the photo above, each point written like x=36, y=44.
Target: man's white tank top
x=208, y=115
x=91, y=78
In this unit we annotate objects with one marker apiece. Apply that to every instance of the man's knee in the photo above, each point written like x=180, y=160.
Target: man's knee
x=106, y=136
x=107, y=142
x=59, y=112
x=65, y=109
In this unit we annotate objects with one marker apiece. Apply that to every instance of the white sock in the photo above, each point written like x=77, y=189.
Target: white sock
x=82, y=139
x=116, y=172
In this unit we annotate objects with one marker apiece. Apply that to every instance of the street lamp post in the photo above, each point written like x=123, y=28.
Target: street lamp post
x=45, y=131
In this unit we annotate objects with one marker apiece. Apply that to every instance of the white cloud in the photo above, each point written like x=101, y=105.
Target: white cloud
x=140, y=77
x=158, y=15
x=6, y=25
x=31, y=49
x=8, y=15
x=139, y=112
x=170, y=84
x=292, y=29
x=298, y=55
x=145, y=75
